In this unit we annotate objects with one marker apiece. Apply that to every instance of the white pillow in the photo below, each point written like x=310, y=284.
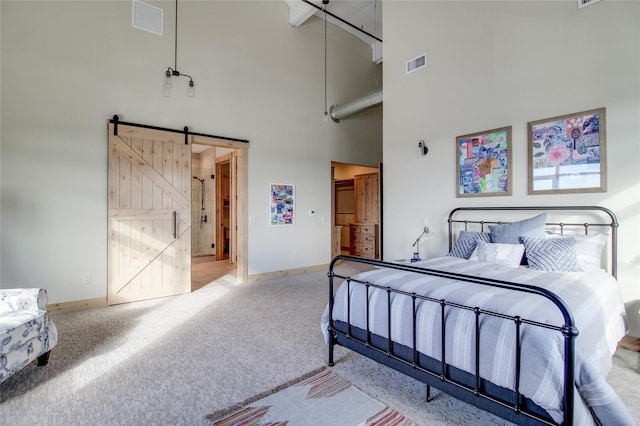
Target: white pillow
x=505, y=254
x=589, y=250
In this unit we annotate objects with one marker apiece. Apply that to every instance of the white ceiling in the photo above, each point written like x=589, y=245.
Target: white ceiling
x=364, y=14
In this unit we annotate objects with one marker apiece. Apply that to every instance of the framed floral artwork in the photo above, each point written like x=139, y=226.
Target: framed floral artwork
x=484, y=163
x=567, y=154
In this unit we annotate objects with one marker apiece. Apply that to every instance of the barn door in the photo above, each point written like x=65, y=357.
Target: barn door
x=149, y=218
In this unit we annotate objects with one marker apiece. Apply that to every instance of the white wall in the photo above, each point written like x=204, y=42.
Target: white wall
x=495, y=64
x=69, y=66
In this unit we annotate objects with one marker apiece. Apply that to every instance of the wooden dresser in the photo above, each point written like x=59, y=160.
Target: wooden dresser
x=364, y=240
x=363, y=233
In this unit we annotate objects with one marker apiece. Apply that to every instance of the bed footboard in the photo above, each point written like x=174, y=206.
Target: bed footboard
x=467, y=386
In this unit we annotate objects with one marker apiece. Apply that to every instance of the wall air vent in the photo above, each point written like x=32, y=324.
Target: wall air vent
x=146, y=17
x=414, y=64
x=585, y=3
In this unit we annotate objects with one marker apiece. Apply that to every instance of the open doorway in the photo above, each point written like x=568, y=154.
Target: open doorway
x=356, y=221
x=212, y=239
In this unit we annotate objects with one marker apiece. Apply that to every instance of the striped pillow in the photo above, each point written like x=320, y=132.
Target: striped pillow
x=552, y=254
x=505, y=254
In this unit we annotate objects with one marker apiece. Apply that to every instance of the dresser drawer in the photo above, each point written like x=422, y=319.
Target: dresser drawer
x=367, y=229
x=363, y=238
x=363, y=250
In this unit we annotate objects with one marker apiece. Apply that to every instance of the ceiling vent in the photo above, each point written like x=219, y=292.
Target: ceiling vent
x=147, y=17
x=416, y=63
x=585, y=3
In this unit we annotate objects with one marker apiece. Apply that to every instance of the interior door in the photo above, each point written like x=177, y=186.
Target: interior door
x=226, y=208
x=223, y=208
x=149, y=217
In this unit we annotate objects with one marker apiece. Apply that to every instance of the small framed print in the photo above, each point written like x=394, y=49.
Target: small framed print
x=567, y=154
x=484, y=163
x=282, y=204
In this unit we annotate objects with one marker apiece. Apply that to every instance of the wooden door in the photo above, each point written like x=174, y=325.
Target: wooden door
x=149, y=218
x=360, y=197
x=366, y=198
x=372, y=203
x=223, y=208
x=226, y=197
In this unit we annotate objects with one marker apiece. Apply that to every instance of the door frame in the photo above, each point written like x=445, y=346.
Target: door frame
x=240, y=185
x=359, y=169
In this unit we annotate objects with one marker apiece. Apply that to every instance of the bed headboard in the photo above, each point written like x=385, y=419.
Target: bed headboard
x=562, y=219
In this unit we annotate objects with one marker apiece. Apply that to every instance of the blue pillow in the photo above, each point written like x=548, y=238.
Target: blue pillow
x=510, y=233
x=467, y=242
x=552, y=254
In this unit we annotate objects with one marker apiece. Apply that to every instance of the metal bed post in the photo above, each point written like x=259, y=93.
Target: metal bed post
x=331, y=275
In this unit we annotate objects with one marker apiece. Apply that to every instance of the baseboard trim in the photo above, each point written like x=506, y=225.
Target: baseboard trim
x=101, y=302
x=77, y=305
x=287, y=273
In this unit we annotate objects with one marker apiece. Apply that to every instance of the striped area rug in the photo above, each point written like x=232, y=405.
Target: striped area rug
x=322, y=398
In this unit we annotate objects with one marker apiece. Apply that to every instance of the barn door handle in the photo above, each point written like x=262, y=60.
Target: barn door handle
x=175, y=224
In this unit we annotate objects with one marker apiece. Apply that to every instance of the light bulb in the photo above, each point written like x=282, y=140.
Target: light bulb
x=166, y=89
x=325, y=117
x=191, y=91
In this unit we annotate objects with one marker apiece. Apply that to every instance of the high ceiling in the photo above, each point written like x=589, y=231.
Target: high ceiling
x=363, y=14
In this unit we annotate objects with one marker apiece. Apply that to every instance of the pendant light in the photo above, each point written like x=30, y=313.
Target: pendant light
x=325, y=117
x=173, y=72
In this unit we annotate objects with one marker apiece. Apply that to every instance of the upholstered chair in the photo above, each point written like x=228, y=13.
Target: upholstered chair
x=27, y=333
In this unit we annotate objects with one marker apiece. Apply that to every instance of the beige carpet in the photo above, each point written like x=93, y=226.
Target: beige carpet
x=172, y=361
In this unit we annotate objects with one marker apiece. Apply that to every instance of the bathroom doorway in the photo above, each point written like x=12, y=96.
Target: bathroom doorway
x=212, y=213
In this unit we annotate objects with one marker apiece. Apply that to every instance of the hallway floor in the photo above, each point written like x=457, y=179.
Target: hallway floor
x=204, y=272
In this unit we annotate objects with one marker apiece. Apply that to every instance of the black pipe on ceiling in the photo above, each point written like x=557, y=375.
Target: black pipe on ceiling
x=341, y=20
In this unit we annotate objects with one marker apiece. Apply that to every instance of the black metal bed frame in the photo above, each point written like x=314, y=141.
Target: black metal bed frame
x=467, y=386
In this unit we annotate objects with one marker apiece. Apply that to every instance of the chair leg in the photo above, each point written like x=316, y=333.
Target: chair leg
x=43, y=359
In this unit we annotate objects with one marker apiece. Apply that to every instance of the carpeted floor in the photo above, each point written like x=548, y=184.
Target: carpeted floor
x=174, y=360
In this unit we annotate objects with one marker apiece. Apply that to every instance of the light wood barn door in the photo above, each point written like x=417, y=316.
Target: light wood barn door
x=149, y=218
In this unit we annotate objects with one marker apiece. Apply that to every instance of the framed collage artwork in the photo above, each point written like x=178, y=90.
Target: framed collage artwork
x=567, y=154
x=484, y=163
x=281, y=204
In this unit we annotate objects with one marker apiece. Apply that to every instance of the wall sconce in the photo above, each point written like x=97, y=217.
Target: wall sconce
x=422, y=148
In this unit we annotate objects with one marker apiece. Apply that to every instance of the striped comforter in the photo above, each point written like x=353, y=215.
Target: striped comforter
x=593, y=297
